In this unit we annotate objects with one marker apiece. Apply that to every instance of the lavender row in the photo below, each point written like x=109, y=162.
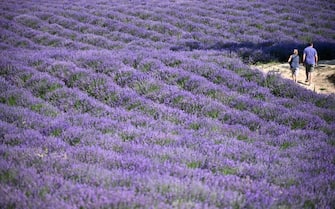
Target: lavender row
x=295, y=123
x=232, y=15
x=239, y=102
x=197, y=26
x=72, y=31
x=247, y=82
x=120, y=99
x=63, y=102
x=198, y=85
x=55, y=36
x=196, y=161
x=287, y=119
x=97, y=85
x=233, y=154
x=242, y=103
x=72, y=101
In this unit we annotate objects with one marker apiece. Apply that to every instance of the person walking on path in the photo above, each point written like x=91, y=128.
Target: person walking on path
x=310, y=60
x=294, y=64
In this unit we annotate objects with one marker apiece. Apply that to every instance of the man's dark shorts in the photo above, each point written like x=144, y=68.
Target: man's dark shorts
x=309, y=67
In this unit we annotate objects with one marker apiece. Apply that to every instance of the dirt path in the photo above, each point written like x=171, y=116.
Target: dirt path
x=323, y=78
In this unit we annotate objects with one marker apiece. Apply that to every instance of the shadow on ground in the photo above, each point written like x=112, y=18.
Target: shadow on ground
x=252, y=53
x=331, y=78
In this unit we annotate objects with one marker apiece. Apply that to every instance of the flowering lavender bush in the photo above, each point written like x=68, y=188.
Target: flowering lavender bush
x=152, y=104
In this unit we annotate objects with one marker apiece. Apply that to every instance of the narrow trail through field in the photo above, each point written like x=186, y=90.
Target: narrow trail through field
x=323, y=78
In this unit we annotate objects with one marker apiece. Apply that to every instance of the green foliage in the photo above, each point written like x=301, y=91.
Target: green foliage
x=43, y=87
x=278, y=87
x=121, y=78
x=248, y=74
x=309, y=204
x=193, y=108
x=56, y=132
x=173, y=63
x=164, y=157
x=126, y=137
x=25, y=77
x=240, y=106
x=321, y=103
x=43, y=191
x=218, y=79
x=195, y=126
x=11, y=205
x=253, y=126
x=146, y=67
x=118, y=148
x=146, y=88
x=93, y=64
x=134, y=105
x=6, y=69
x=332, y=142
x=212, y=93
x=54, y=42
x=286, y=145
x=178, y=99
x=213, y=113
x=194, y=164
x=95, y=85
x=73, y=141
x=271, y=79
x=83, y=106
x=258, y=26
x=182, y=82
x=164, y=141
x=109, y=131
x=74, y=78
x=29, y=21
x=286, y=182
x=226, y=170
x=36, y=107
x=8, y=176
x=259, y=96
x=139, y=123
x=243, y=138
x=13, y=142
x=149, y=111
x=298, y=123
x=174, y=119
x=11, y=101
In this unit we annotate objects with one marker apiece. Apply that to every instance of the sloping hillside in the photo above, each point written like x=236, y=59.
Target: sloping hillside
x=151, y=104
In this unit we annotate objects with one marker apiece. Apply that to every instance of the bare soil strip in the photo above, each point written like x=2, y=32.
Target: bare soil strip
x=323, y=78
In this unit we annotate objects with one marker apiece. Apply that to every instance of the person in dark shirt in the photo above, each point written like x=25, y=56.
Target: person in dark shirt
x=294, y=64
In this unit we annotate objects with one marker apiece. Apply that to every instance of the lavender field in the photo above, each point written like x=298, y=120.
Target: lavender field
x=152, y=104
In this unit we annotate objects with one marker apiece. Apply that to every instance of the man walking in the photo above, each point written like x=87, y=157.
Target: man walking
x=310, y=60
